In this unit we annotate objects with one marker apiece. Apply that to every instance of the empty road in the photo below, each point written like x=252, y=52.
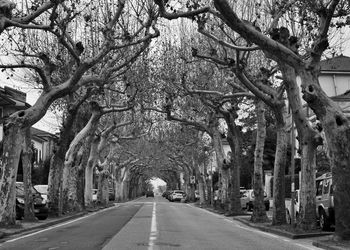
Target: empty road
x=152, y=224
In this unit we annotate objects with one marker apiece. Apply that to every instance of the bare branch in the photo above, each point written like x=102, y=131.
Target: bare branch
x=171, y=16
x=250, y=33
x=226, y=44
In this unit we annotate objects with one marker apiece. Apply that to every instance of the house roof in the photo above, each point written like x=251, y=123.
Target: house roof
x=41, y=135
x=343, y=97
x=12, y=97
x=336, y=64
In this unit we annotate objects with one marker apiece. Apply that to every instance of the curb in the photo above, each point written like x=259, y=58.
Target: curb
x=282, y=233
x=327, y=246
x=44, y=225
x=52, y=223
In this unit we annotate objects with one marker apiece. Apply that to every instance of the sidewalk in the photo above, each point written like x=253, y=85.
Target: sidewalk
x=27, y=227
x=326, y=243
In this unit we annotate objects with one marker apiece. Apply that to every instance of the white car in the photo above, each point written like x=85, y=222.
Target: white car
x=177, y=195
x=94, y=194
x=42, y=189
x=247, y=200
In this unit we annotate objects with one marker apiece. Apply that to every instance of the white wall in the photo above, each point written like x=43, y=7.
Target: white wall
x=335, y=85
x=40, y=148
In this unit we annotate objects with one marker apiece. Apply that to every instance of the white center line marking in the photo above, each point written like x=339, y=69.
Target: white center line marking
x=154, y=233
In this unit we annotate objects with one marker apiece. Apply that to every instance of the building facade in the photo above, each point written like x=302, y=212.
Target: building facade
x=12, y=100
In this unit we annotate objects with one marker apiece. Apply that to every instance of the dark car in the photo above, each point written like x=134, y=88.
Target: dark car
x=149, y=194
x=166, y=194
x=41, y=209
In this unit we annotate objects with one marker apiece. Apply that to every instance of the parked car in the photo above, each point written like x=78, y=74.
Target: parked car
x=325, y=201
x=196, y=195
x=167, y=194
x=94, y=194
x=41, y=209
x=177, y=195
x=288, y=203
x=43, y=191
x=247, y=200
x=149, y=193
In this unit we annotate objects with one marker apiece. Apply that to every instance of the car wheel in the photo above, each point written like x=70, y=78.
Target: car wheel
x=288, y=218
x=324, y=221
x=43, y=217
x=267, y=206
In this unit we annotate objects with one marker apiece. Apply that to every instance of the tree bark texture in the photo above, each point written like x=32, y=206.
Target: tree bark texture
x=308, y=140
x=102, y=194
x=337, y=131
x=27, y=177
x=234, y=139
x=89, y=170
x=70, y=172
x=57, y=162
x=219, y=153
x=279, y=207
x=259, y=211
x=12, y=145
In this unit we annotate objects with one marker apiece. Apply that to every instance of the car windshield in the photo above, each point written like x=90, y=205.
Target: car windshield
x=41, y=188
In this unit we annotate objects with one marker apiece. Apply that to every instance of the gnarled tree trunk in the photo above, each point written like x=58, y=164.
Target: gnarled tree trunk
x=259, y=212
x=89, y=170
x=279, y=207
x=223, y=173
x=27, y=177
x=57, y=161
x=12, y=145
x=308, y=139
x=234, y=140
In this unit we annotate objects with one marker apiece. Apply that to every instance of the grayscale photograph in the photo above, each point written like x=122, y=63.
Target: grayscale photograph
x=174, y=124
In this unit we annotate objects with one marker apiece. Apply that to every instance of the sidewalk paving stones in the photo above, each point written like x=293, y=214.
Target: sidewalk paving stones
x=266, y=227
x=330, y=244
x=326, y=242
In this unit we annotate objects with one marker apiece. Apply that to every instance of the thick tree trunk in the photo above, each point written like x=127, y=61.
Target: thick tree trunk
x=119, y=175
x=27, y=177
x=234, y=140
x=337, y=130
x=201, y=188
x=223, y=173
x=259, y=212
x=307, y=210
x=69, y=184
x=57, y=162
x=103, y=194
x=12, y=145
x=55, y=182
x=68, y=195
x=81, y=184
x=308, y=139
x=89, y=170
x=279, y=207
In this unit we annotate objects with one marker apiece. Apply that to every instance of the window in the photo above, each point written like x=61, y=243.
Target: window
x=35, y=154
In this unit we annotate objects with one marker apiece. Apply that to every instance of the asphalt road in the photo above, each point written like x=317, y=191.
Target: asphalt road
x=152, y=224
